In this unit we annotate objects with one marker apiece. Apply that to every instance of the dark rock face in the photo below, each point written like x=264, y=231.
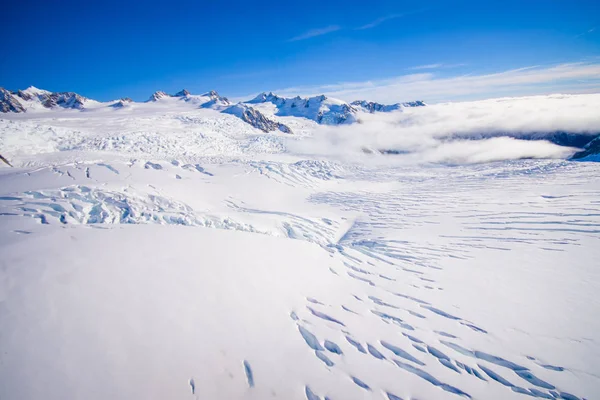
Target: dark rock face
x=256, y=118
x=183, y=93
x=62, y=99
x=591, y=149
x=8, y=102
x=24, y=95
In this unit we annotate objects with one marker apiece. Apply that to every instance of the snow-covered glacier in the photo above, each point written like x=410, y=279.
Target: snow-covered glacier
x=172, y=249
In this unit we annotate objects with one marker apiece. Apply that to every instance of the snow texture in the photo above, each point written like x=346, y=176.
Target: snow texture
x=169, y=250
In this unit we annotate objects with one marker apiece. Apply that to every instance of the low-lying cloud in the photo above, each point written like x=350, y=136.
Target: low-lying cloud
x=469, y=132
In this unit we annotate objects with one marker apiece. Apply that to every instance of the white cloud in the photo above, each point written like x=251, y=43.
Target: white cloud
x=468, y=132
x=315, y=32
x=436, y=66
x=427, y=66
x=570, y=78
x=592, y=30
x=379, y=21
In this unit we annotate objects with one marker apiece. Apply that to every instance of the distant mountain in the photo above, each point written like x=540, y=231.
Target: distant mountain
x=326, y=110
x=371, y=107
x=210, y=99
x=215, y=100
x=322, y=109
x=183, y=93
x=124, y=102
x=8, y=102
x=157, y=96
x=65, y=100
x=590, y=152
x=255, y=118
x=51, y=100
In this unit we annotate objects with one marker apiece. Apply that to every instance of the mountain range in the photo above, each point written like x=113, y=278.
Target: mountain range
x=321, y=109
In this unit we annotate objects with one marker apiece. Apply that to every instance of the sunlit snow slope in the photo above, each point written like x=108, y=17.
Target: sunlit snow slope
x=158, y=251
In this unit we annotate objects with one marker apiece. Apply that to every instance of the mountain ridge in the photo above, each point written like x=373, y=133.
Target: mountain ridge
x=321, y=109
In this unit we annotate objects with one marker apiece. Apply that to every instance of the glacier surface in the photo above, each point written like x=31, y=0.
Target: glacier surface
x=165, y=250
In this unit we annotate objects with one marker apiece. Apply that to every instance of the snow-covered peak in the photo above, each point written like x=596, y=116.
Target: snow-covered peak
x=266, y=97
x=158, y=95
x=182, y=93
x=212, y=93
x=33, y=93
x=32, y=90
x=212, y=99
x=124, y=102
x=371, y=107
x=322, y=109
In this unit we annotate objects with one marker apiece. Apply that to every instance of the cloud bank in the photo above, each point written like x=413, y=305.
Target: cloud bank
x=430, y=87
x=469, y=132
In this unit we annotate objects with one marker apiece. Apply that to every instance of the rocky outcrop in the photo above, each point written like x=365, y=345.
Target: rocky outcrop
x=590, y=152
x=63, y=99
x=9, y=103
x=158, y=95
x=24, y=95
x=216, y=100
x=255, y=118
x=183, y=93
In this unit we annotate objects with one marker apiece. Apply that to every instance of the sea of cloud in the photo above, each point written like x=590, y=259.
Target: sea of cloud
x=554, y=126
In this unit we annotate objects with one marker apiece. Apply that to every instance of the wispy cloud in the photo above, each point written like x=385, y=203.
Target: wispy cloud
x=587, y=32
x=426, y=66
x=381, y=20
x=315, y=32
x=435, y=66
x=430, y=87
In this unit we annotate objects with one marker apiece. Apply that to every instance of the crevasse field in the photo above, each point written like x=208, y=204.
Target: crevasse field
x=166, y=251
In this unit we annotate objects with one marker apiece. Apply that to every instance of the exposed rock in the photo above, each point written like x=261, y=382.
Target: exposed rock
x=158, y=95
x=63, y=99
x=8, y=102
x=255, y=118
x=591, y=150
x=24, y=95
x=183, y=93
x=216, y=100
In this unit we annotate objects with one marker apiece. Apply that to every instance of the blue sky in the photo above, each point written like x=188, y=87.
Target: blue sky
x=111, y=49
